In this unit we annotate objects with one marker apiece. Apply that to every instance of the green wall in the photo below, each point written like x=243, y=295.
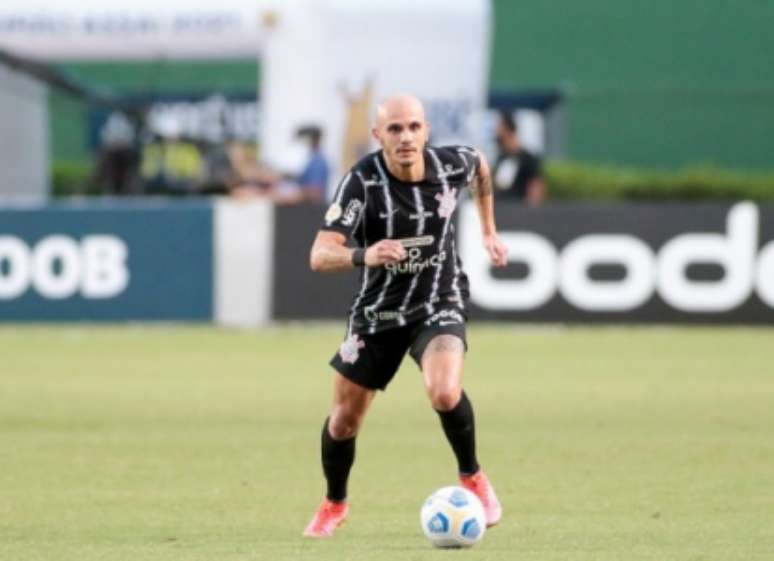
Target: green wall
x=657, y=83
x=649, y=83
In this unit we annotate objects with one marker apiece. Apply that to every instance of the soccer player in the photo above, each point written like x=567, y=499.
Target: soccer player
x=398, y=204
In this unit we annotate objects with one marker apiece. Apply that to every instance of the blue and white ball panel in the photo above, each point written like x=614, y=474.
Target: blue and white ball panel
x=438, y=524
x=453, y=517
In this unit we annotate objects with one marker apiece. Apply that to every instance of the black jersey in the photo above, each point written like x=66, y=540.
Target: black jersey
x=371, y=205
x=512, y=173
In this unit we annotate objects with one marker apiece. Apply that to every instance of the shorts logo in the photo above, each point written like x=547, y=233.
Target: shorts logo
x=353, y=211
x=349, y=351
x=445, y=317
x=447, y=202
x=333, y=214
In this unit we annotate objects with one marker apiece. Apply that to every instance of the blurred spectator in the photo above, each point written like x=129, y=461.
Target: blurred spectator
x=309, y=185
x=251, y=179
x=313, y=180
x=219, y=174
x=517, y=172
x=117, y=165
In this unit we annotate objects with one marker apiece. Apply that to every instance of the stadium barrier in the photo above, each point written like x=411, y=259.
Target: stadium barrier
x=246, y=263
x=628, y=263
x=137, y=261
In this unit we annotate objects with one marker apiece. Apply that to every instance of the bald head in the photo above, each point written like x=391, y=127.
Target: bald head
x=402, y=131
x=397, y=106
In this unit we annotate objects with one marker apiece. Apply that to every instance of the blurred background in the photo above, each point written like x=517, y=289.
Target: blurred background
x=266, y=103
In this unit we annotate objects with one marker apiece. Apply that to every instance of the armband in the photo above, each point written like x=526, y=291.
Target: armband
x=358, y=257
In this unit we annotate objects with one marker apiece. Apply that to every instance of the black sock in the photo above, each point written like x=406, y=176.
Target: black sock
x=337, y=459
x=459, y=426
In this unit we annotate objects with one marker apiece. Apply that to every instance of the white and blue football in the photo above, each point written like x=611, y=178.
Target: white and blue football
x=453, y=517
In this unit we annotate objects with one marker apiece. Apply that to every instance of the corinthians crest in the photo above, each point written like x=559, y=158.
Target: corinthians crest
x=349, y=351
x=447, y=202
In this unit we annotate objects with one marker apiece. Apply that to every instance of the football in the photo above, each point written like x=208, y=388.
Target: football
x=453, y=517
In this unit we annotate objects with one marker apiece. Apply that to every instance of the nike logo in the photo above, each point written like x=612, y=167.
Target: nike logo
x=442, y=323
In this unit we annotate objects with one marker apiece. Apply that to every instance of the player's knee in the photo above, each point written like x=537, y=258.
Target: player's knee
x=343, y=425
x=444, y=398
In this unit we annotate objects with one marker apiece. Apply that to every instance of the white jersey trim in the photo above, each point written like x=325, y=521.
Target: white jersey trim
x=420, y=211
x=364, y=283
x=437, y=277
x=389, y=227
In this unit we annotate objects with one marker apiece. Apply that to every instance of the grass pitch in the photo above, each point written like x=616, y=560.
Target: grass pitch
x=176, y=443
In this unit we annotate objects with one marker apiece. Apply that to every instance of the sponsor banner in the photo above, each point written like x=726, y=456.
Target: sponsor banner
x=690, y=263
x=199, y=118
x=630, y=263
x=94, y=29
x=177, y=144
x=136, y=261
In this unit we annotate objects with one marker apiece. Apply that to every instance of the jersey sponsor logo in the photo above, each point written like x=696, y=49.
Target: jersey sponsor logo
x=447, y=202
x=383, y=315
x=449, y=170
x=59, y=267
x=417, y=241
x=414, y=263
x=333, y=214
x=349, y=351
x=445, y=317
x=352, y=212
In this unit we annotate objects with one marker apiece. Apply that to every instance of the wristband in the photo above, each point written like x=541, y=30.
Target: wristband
x=358, y=257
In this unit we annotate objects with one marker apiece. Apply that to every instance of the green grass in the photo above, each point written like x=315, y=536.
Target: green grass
x=178, y=443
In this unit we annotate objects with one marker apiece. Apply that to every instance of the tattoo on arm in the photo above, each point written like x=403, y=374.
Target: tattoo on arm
x=446, y=343
x=481, y=186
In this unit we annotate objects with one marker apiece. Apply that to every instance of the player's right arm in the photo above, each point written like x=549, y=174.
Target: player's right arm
x=329, y=253
x=329, y=250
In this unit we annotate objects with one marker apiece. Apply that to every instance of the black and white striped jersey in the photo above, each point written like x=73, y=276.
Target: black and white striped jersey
x=371, y=205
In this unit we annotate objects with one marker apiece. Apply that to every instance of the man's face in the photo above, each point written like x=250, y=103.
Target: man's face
x=402, y=131
x=506, y=138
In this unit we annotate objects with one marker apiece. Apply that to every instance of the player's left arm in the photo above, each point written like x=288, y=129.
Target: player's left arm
x=483, y=196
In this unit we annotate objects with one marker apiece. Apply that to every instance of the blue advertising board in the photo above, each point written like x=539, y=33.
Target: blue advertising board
x=103, y=262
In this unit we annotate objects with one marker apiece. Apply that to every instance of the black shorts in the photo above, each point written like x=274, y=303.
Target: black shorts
x=371, y=361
